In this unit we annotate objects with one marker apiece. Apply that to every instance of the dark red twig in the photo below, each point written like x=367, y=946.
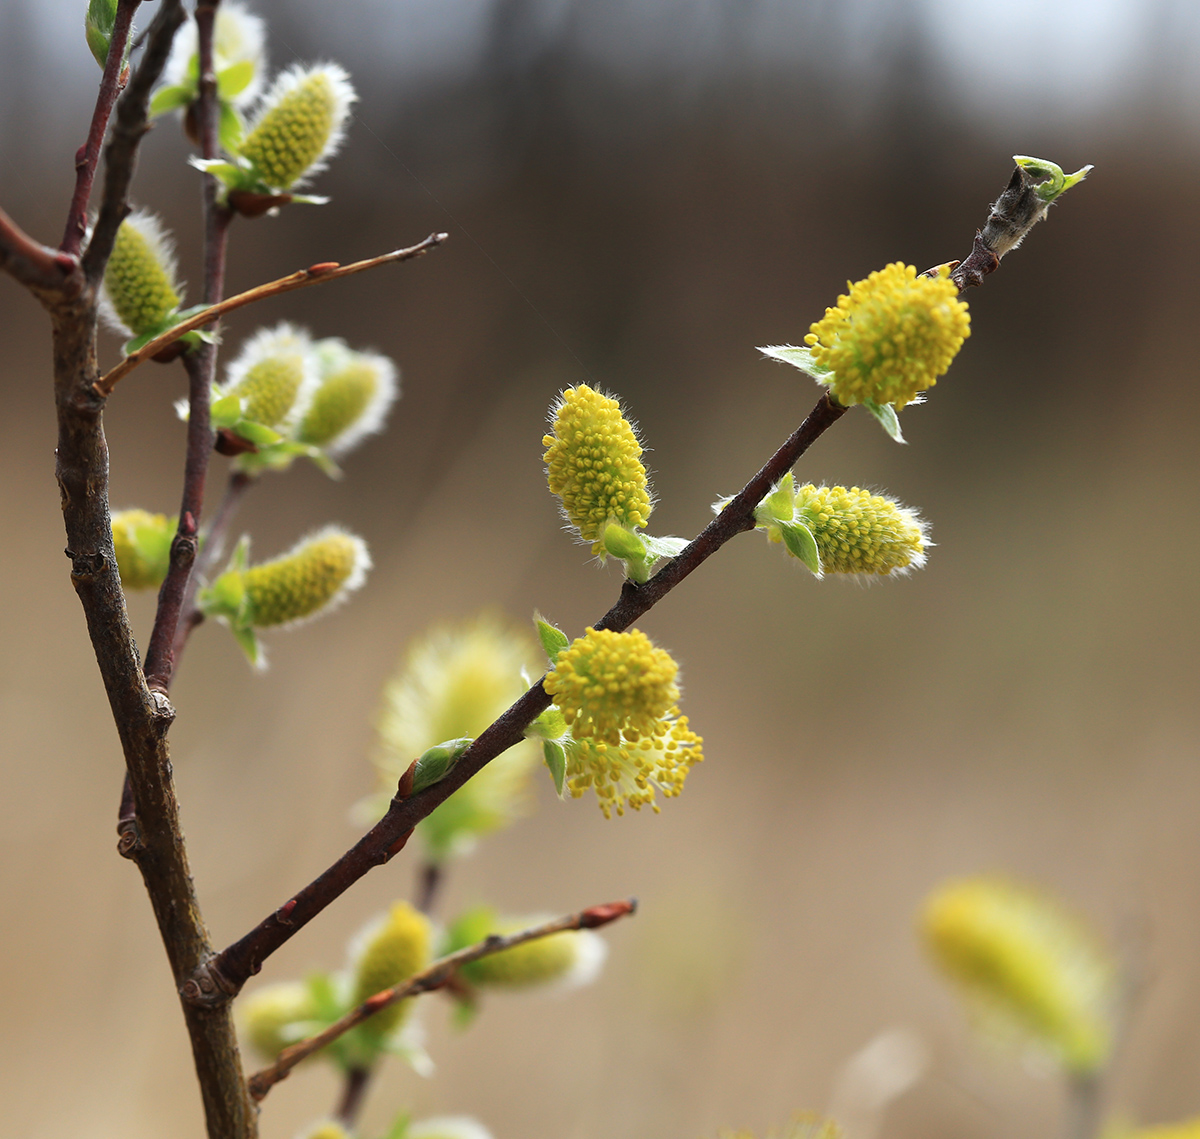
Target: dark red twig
x=53, y=276
x=132, y=122
x=201, y=367
x=225, y=974
x=87, y=157
x=434, y=977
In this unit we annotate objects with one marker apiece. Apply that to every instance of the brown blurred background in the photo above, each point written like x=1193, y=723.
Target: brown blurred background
x=638, y=193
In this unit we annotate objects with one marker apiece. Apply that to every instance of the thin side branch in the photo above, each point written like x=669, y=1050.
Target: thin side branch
x=53, y=276
x=313, y=275
x=132, y=123
x=222, y=977
x=434, y=977
x=175, y=593
x=87, y=157
x=225, y=974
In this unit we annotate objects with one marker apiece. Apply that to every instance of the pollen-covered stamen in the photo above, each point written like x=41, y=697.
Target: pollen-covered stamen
x=300, y=124
x=140, y=289
x=629, y=771
x=608, y=683
x=890, y=337
x=593, y=461
x=860, y=532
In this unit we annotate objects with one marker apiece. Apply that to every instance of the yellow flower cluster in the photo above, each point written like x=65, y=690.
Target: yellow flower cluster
x=890, y=337
x=860, y=532
x=302, y=583
x=607, y=683
x=1027, y=966
x=300, y=124
x=617, y=692
x=140, y=289
x=142, y=545
x=593, y=460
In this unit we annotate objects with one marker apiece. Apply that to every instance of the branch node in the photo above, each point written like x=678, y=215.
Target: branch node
x=85, y=567
x=207, y=987
x=129, y=840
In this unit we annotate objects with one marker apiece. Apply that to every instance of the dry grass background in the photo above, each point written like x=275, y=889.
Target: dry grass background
x=1026, y=703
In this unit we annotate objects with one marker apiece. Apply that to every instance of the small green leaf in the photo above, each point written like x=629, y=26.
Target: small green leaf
x=256, y=433
x=171, y=99
x=779, y=505
x=399, y=1127
x=888, y=419
x=98, y=26
x=553, y=640
x=249, y=643
x=801, y=544
x=235, y=78
x=229, y=173
x=556, y=760
x=226, y=411
x=550, y=725
x=437, y=762
x=230, y=128
x=309, y=199
x=798, y=356
x=667, y=547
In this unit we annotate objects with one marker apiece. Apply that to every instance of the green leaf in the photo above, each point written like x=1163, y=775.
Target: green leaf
x=437, y=762
x=235, y=78
x=667, y=547
x=257, y=433
x=888, y=419
x=98, y=26
x=309, y=199
x=556, y=760
x=801, y=544
x=780, y=504
x=230, y=128
x=551, y=724
x=553, y=640
x=228, y=173
x=171, y=99
x=226, y=411
x=399, y=1128
x=798, y=356
x=249, y=643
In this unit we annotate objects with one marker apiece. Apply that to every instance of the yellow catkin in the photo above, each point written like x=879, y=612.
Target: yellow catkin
x=860, y=532
x=139, y=280
x=302, y=118
x=393, y=952
x=890, y=337
x=1026, y=966
x=594, y=465
x=606, y=683
x=305, y=581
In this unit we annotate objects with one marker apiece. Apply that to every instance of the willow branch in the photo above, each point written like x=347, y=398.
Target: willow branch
x=174, y=594
x=87, y=157
x=51, y=275
x=434, y=977
x=142, y=717
x=120, y=156
x=221, y=978
x=313, y=275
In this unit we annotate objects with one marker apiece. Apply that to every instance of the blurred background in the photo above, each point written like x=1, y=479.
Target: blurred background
x=638, y=192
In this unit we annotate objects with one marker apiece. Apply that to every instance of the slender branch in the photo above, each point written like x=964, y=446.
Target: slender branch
x=429, y=887
x=302, y=278
x=175, y=593
x=88, y=155
x=434, y=977
x=142, y=717
x=132, y=123
x=222, y=977
x=210, y=554
x=354, y=1090
x=53, y=276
